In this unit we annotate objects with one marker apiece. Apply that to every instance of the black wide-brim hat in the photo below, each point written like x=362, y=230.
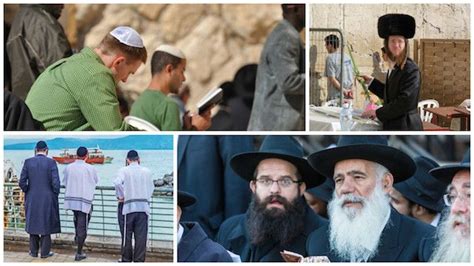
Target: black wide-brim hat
x=422, y=188
x=185, y=199
x=370, y=148
x=396, y=24
x=324, y=191
x=276, y=147
x=446, y=173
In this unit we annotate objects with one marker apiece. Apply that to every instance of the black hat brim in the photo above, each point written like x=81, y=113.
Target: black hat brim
x=185, y=199
x=400, y=165
x=321, y=193
x=244, y=164
x=447, y=172
x=413, y=195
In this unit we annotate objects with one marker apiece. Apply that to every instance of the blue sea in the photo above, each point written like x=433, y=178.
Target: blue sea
x=160, y=162
x=104, y=217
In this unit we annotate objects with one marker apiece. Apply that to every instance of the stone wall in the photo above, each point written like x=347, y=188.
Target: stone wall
x=217, y=39
x=358, y=22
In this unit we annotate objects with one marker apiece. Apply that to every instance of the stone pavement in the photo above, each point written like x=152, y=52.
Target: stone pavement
x=61, y=255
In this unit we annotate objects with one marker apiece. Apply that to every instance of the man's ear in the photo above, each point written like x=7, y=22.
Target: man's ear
x=120, y=59
x=302, y=188
x=253, y=186
x=169, y=68
x=387, y=182
x=418, y=210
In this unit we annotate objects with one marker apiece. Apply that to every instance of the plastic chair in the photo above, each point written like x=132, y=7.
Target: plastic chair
x=424, y=115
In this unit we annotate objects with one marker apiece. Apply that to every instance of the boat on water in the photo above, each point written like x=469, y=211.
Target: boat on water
x=95, y=156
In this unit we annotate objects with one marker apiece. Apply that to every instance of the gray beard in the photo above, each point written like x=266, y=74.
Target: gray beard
x=452, y=246
x=354, y=234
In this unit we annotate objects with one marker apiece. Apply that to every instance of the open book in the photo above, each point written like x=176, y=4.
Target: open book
x=213, y=97
x=289, y=256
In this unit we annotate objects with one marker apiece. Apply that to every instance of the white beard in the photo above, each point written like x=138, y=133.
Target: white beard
x=452, y=246
x=354, y=234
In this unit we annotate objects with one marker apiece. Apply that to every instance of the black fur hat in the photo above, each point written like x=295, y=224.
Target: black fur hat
x=396, y=24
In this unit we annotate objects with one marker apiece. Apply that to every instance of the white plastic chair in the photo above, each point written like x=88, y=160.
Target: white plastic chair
x=424, y=115
x=140, y=124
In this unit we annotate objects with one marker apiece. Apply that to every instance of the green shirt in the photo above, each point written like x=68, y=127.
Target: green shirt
x=76, y=93
x=158, y=109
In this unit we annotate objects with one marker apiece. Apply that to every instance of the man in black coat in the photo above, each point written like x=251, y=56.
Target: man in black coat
x=40, y=182
x=278, y=218
x=362, y=226
x=420, y=196
x=401, y=90
x=193, y=243
x=36, y=41
x=204, y=161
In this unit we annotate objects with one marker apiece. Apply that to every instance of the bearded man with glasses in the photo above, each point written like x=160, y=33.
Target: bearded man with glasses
x=278, y=217
x=452, y=239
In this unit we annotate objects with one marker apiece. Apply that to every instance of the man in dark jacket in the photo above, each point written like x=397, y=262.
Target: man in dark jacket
x=205, y=160
x=420, y=196
x=278, y=218
x=401, y=90
x=453, y=236
x=362, y=226
x=193, y=243
x=40, y=182
x=36, y=40
x=280, y=84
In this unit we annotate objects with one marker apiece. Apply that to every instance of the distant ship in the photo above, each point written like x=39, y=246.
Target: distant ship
x=95, y=156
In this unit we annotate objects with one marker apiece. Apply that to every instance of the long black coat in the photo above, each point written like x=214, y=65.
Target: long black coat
x=400, y=95
x=401, y=240
x=195, y=246
x=40, y=182
x=233, y=235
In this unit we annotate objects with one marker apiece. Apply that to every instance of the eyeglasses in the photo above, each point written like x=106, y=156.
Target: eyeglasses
x=449, y=199
x=284, y=182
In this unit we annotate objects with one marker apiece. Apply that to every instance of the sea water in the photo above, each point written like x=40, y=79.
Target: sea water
x=104, y=219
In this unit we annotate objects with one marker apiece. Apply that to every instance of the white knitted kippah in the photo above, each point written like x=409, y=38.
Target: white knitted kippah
x=127, y=36
x=171, y=50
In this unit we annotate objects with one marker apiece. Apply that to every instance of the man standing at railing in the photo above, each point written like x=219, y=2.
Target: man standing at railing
x=40, y=182
x=80, y=180
x=134, y=186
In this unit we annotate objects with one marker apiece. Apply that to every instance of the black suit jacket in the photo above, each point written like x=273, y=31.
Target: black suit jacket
x=400, y=95
x=195, y=246
x=233, y=235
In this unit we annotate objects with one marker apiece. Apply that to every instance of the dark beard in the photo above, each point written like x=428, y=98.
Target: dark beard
x=275, y=225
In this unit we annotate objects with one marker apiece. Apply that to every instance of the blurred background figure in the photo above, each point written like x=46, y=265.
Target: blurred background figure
x=241, y=104
x=420, y=196
x=280, y=85
x=181, y=98
x=204, y=162
x=318, y=197
x=222, y=120
x=36, y=40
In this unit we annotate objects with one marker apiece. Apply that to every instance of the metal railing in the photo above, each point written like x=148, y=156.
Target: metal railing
x=103, y=221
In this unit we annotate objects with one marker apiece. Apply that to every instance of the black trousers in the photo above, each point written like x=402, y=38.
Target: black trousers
x=81, y=223
x=136, y=224
x=120, y=218
x=37, y=241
